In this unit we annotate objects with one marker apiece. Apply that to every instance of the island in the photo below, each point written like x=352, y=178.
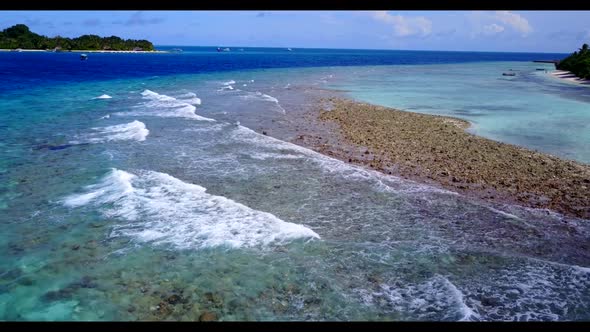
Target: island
x=578, y=63
x=20, y=37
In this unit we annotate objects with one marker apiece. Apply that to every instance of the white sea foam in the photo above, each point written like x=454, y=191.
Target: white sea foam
x=190, y=98
x=532, y=290
x=105, y=117
x=134, y=130
x=161, y=209
x=229, y=82
x=436, y=298
x=166, y=106
x=505, y=214
x=581, y=268
x=187, y=95
x=225, y=88
x=103, y=97
x=466, y=311
x=265, y=156
x=264, y=97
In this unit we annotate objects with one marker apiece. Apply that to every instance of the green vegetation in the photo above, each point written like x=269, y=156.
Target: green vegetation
x=19, y=36
x=578, y=63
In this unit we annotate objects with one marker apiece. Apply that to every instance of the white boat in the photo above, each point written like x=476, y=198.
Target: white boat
x=83, y=57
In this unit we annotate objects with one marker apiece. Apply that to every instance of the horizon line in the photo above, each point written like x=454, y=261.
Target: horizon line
x=356, y=49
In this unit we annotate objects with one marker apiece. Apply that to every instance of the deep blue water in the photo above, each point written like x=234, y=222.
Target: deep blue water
x=25, y=70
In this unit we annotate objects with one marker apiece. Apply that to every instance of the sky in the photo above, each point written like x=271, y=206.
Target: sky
x=501, y=31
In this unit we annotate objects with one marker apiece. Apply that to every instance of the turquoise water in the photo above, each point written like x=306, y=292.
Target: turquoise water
x=531, y=109
x=165, y=201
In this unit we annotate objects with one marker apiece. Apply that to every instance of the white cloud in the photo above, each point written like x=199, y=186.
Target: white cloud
x=491, y=23
x=403, y=25
x=492, y=29
x=516, y=21
x=328, y=19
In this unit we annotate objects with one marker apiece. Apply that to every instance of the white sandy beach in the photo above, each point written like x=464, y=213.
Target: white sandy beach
x=569, y=77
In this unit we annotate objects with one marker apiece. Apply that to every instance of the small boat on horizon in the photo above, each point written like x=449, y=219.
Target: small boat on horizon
x=289, y=49
x=83, y=57
x=508, y=74
x=219, y=49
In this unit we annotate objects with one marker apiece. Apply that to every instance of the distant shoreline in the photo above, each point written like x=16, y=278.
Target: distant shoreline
x=569, y=77
x=80, y=51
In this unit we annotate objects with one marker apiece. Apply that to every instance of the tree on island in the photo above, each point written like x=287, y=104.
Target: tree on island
x=19, y=36
x=578, y=62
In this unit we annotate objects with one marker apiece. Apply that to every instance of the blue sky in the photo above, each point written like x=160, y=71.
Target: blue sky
x=511, y=31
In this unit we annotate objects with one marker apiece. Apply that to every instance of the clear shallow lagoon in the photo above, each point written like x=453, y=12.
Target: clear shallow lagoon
x=532, y=109
x=140, y=206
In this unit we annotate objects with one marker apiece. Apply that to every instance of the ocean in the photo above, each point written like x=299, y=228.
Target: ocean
x=140, y=187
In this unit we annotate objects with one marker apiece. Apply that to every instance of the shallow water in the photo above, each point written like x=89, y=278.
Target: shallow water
x=531, y=109
x=163, y=202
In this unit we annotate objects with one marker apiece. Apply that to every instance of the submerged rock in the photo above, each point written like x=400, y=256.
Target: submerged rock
x=58, y=295
x=208, y=316
x=214, y=299
x=174, y=299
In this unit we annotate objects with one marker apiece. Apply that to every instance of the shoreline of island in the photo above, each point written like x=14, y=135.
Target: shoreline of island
x=438, y=151
x=81, y=51
x=569, y=77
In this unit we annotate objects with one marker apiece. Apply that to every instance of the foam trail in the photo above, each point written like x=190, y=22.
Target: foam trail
x=467, y=312
x=187, y=95
x=161, y=209
x=190, y=98
x=505, y=214
x=437, y=295
x=229, y=82
x=265, y=97
x=229, y=87
x=103, y=97
x=166, y=106
x=134, y=130
x=581, y=268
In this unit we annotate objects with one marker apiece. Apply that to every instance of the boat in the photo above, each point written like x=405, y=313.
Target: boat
x=83, y=57
x=176, y=50
x=508, y=74
x=219, y=49
x=289, y=49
